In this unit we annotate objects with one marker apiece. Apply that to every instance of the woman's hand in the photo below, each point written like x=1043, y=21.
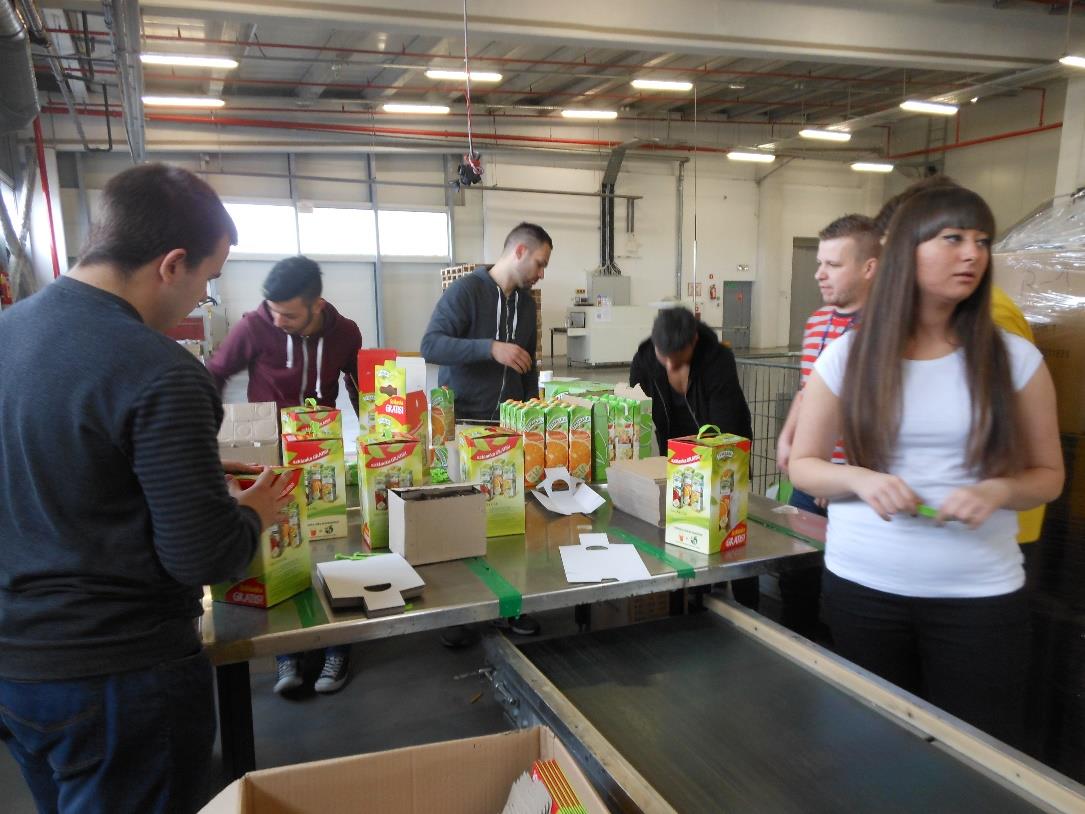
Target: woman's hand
x=974, y=504
x=885, y=494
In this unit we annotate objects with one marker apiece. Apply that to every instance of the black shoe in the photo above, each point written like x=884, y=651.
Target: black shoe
x=522, y=625
x=459, y=636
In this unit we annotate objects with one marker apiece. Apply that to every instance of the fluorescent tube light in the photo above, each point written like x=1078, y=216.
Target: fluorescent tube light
x=589, y=114
x=182, y=101
x=1073, y=61
x=871, y=166
x=183, y=61
x=661, y=84
x=746, y=155
x=825, y=135
x=936, y=108
x=461, y=76
x=405, y=108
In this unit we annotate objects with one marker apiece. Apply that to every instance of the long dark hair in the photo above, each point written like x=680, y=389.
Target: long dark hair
x=871, y=396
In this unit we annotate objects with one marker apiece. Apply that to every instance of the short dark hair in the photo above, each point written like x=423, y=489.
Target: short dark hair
x=890, y=207
x=529, y=234
x=293, y=277
x=152, y=209
x=859, y=228
x=673, y=329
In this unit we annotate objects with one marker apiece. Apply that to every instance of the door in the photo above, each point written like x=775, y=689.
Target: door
x=805, y=296
x=737, y=309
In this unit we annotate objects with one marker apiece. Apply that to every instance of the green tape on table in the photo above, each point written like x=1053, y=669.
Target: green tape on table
x=789, y=532
x=683, y=568
x=509, y=600
x=310, y=612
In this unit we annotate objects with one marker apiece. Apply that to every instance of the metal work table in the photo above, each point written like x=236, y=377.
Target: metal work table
x=454, y=595
x=726, y=711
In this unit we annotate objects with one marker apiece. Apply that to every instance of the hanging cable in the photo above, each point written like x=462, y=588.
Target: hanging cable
x=470, y=170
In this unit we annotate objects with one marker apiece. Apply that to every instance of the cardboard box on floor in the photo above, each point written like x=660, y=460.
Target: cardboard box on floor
x=437, y=523
x=470, y=776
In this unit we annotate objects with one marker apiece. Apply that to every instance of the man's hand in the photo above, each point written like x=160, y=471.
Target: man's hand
x=263, y=497
x=240, y=468
x=511, y=355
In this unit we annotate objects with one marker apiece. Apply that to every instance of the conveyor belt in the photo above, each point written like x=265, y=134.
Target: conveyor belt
x=716, y=721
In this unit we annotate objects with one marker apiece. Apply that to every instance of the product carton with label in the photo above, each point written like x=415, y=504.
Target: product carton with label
x=406, y=415
x=385, y=462
x=281, y=566
x=325, y=481
x=437, y=523
x=557, y=435
x=643, y=418
x=310, y=420
x=442, y=411
x=598, y=425
x=494, y=458
x=708, y=479
x=579, y=439
x=531, y=422
x=368, y=359
x=390, y=380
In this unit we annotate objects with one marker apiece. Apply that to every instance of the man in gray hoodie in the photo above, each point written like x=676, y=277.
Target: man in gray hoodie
x=482, y=332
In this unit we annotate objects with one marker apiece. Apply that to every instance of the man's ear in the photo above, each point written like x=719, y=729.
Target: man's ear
x=318, y=305
x=172, y=265
x=870, y=268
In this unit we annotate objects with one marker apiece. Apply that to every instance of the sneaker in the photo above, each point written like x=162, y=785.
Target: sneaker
x=335, y=673
x=522, y=625
x=459, y=636
x=289, y=673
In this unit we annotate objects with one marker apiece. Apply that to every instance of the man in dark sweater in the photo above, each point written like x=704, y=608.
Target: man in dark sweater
x=692, y=380
x=116, y=511
x=483, y=335
x=483, y=332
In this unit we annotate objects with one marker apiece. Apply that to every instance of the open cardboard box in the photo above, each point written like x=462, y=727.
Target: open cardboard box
x=437, y=523
x=470, y=776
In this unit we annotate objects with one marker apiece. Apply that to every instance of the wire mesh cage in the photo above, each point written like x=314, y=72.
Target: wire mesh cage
x=769, y=384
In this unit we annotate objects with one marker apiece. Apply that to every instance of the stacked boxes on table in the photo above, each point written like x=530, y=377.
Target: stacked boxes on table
x=313, y=440
x=708, y=476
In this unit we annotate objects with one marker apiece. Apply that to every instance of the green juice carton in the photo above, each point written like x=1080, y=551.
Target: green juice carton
x=625, y=432
x=442, y=415
x=325, y=480
x=557, y=435
x=579, y=439
x=531, y=419
x=385, y=462
x=590, y=416
x=310, y=420
x=708, y=480
x=367, y=413
x=494, y=458
x=281, y=567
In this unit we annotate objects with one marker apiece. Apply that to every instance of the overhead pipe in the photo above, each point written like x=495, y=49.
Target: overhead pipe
x=122, y=20
x=39, y=144
x=974, y=142
x=19, y=101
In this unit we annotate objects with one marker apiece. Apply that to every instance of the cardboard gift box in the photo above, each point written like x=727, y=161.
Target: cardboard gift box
x=437, y=523
x=325, y=481
x=494, y=458
x=310, y=420
x=385, y=462
x=281, y=567
x=708, y=476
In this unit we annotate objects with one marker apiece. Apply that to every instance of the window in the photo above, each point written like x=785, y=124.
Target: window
x=414, y=234
x=337, y=231
x=264, y=228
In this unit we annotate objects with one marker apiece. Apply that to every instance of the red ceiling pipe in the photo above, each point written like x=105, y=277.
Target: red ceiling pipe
x=974, y=142
x=39, y=143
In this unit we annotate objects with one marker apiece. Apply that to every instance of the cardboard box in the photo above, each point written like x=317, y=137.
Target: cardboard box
x=261, y=454
x=1062, y=343
x=709, y=480
x=406, y=414
x=494, y=458
x=437, y=523
x=469, y=776
x=385, y=462
x=577, y=387
x=311, y=421
x=640, y=488
x=325, y=483
x=249, y=424
x=281, y=567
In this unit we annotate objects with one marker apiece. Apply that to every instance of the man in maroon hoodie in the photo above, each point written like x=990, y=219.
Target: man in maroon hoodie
x=295, y=345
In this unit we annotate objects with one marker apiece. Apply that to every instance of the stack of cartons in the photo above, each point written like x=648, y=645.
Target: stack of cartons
x=556, y=434
x=313, y=440
x=621, y=429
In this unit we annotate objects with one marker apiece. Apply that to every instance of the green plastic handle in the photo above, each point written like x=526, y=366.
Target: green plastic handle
x=706, y=427
x=927, y=511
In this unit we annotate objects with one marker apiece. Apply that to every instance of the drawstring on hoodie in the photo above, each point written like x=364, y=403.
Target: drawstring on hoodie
x=289, y=351
x=510, y=336
x=319, y=360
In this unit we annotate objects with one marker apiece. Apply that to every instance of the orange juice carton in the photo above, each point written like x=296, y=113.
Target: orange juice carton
x=325, y=479
x=557, y=435
x=579, y=440
x=708, y=476
x=310, y=420
x=494, y=458
x=281, y=567
x=532, y=426
x=442, y=415
x=385, y=462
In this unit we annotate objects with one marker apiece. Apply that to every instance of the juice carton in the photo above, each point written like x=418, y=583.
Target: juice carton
x=403, y=414
x=626, y=439
x=281, y=567
x=368, y=359
x=557, y=435
x=532, y=426
x=708, y=477
x=310, y=420
x=494, y=458
x=367, y=413
x=645, y=429
x=389, y=380
x=579, y=440
x=385, y=462
x=590, y=416
x=442, y=415
x=325, y=480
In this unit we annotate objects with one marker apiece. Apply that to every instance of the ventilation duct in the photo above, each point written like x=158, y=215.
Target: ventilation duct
x=18, y=92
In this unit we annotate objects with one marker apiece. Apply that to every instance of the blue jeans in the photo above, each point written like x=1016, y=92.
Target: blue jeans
x=137, y=741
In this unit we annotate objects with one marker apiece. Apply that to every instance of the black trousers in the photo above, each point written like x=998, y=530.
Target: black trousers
x=969, y=657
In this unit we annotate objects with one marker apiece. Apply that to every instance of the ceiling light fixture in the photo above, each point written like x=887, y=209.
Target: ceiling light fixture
x=935, y=108
x=747, y=155
x=461, y=76
x=872, y=166
x=974, y=99
x=767, y=145
x=1073, y=60
x=186, y=61
x=439, y=110
x=581, y=113
x=825, y=135
x=182, y=101
x=661, y=84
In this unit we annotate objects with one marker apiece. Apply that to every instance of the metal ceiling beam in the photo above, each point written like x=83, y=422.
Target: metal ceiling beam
x=122, y=18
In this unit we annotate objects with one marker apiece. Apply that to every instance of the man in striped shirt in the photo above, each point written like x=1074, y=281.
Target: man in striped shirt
x=115, y=509
x=847, y=261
